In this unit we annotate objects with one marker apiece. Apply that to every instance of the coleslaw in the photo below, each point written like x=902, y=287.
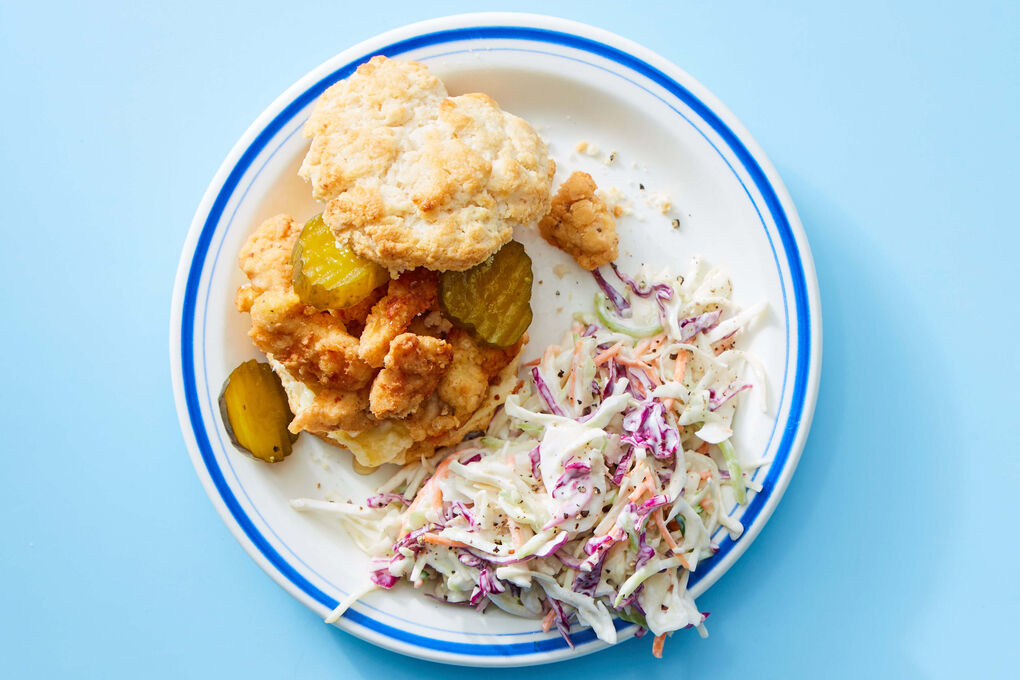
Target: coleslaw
x=598, y=488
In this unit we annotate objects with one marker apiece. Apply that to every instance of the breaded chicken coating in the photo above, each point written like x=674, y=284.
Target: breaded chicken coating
x=313, y=345
x=466, y=383
x=412, y=369
x=331, y=410
x=580, y=224
x=406, y=297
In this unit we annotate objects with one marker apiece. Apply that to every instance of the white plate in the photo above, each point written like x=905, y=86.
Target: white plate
x=574, y=83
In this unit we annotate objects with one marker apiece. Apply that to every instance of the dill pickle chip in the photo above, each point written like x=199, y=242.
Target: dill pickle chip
x=329, y=275
x=255, y=412
x=492, y=300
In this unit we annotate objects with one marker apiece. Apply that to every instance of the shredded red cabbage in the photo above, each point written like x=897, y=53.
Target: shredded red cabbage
x=586, y=582
x=383, y=579
x=646, y=427
x=546, y=393
x=383, y=499
x=597, y=547
x=411, y=539
x=457, y=508
x=653, y=503
x=553, y=546
x=567, y=560
x=562, y=622
x=662, y=291
x=612, y=374
x=536, y=457
x=470, y=560
x=645, y=552
x=620, y=303
x=693, y=325
x=715, y=402
x=476, y=454
x=623, y=466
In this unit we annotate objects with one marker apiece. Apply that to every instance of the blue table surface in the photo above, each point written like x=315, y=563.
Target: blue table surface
x=894, y=552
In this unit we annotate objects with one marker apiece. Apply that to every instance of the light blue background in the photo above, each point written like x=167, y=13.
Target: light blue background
x=894, y=552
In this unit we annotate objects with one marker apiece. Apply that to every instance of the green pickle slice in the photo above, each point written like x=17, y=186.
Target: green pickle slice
x=329, y=275
x=492, y=300
x=255, y=412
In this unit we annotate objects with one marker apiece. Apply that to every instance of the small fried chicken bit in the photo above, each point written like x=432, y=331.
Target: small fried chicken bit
x=580, y=224
x=407, y=297
x=411, y=372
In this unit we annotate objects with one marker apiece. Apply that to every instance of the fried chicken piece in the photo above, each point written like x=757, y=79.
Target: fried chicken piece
x=431, y=419
x=355, y=316
x=265, y=259
x=412, y=369
x=332, y=410
x=580, y=224
x=464, y=386
x=407, y=297
x=314, y=346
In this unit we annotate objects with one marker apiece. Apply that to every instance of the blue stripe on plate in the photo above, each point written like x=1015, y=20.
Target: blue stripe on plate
x=458, y=35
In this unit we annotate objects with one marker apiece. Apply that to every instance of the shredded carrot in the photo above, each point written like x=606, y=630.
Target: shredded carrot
x=642, y=347
x=608, y=354
x=515, y=533
x=652, y=374
x=657, y=645
x=650, y=479
x=703, y=448
x=649, y=345
x=679, y=369
x=533, y=362
x=639, y=491
x=429, y=488
x=549, y=352
x=574, y=361
x=666, y=536
x=633, y=363
x=436, y=539
x=547, y=621
x=723, y=345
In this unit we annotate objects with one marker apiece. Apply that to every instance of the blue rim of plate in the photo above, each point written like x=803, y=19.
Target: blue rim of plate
x=534, y=34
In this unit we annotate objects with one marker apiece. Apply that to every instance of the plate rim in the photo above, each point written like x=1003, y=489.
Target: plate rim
x=507, y=20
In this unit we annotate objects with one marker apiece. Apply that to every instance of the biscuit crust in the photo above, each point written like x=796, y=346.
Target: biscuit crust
x=411, y=177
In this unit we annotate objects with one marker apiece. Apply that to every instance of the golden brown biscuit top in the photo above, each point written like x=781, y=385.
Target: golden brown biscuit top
x=414, y=178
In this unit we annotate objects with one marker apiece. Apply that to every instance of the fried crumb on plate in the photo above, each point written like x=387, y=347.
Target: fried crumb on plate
x=580, y=223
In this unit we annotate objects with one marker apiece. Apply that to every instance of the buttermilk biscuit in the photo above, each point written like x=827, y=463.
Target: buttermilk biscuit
x=413, y=178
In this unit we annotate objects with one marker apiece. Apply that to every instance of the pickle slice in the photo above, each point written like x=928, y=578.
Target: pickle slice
x=492, y=300
x=256, y=413
x=329, y=275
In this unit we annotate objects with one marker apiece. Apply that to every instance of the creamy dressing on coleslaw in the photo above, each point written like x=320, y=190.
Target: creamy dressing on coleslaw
x=596, y=490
